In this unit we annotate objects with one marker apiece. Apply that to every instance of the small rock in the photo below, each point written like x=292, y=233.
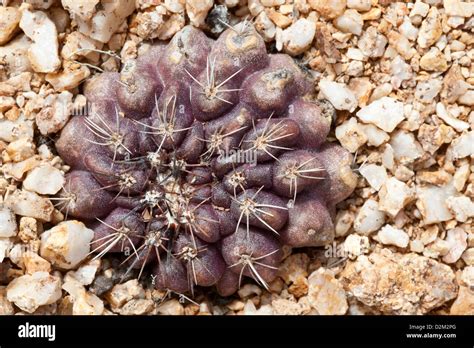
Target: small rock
x=9, y=20
x=137, y=307
x=360, y=5
x=338, y=94
x=326, y=294
x=462, y=146
x=6, y=308
x=29, y=292
x=45, y=180
x=468, y=256
x=467, y=98
x=351, y=135
x=464, y=303
x=343, y=222
x=84, y=302
x=350, y=22
x=419, y=9
x=386, y=113
x=457, y=240
x=171, y=307
x=396, y=283
x=85, y=274
x=356, y=245
x=298, y=37
x=430, y=29
x=55, y=114
x=462, y=207
x=122, y=293
x=369, y=219
x=26, y=203
x=394, y=196
x=372, y=43
x=66, y=244
x=329, y=9
x=28, y=229
x=8, y=227
x=434, y=60
x=43, y=53
x=393, y=236
x=375, y=136
x=34, y=263
x=197, y=10
x=294, y=267
x=375, y=175
x=405, y=147
x=20, y=150
x=282, y=306
x=431, y=201
x=249, y=290
x=458, y=8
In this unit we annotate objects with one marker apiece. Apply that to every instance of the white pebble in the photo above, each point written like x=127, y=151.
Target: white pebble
x=8, y=227
x=43, y=53
x=299, y=36
x=386, y=113
x=29, y=292
x=66, y=244
x=338, y=94
x=393, y=236
x=369, y=219
x=45, y=180
x=394, y=195
x=374, y=174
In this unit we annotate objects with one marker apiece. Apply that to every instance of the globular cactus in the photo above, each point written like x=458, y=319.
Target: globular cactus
x=202, y=158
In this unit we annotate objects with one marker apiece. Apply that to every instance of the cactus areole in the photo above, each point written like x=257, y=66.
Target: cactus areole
x=202, y=158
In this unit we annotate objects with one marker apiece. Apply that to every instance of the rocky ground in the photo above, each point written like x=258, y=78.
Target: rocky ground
x=401, y=76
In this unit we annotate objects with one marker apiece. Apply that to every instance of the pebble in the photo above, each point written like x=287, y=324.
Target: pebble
x=171, y=307
x=9, y=21
x=462, y=146
x=122, y=293
x=394, y=283
x=26, y=203
x=35, y=263
x=375, y=136
x=372, y=43
x=375, y=175
x=326, y=293
x=434, y=60
x=29, y=292
x=462, y=207
x=431, y=201
x=394, y=196
x=44, y=180
x=457, y=240
x=197, y=10
x=101, y=24
x=137, y=307
x=43, y=52
x=430, y=29
x=350, y=22
x=356, y=245
x=66, y=244
x=393, y=236
x=338, y=94
x=386, y=113
x=329, y=9
x=360, y=5
x=298, y=37
x=405, y=147
x=343, y=222
x=84, y=302
x=55, y=113
x=468, y=256
x=458, y=8
x=8, y=226
x=369, y=218
x=464, y=303
x=85, y=274
x=351, y=135
x=6, y=308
